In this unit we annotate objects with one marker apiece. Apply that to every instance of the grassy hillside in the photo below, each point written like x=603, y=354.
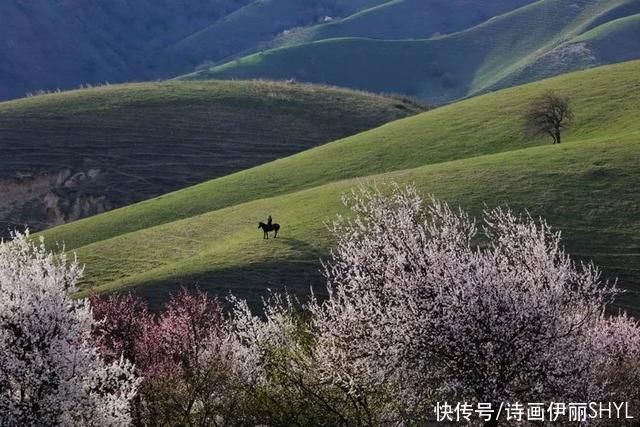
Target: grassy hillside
x=257, y=23
x=404, y=19
x=482, y=125
x=571, y=186
x=614, y=41
x=78, y=153
x=469, y=153
x=492, y=55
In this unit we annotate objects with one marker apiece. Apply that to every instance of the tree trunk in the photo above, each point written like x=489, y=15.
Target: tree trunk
x=557, y=138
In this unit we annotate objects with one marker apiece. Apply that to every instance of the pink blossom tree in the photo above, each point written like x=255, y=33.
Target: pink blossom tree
x=183, y=354
x=51, y=372
x=122, y=323
x=187, y=365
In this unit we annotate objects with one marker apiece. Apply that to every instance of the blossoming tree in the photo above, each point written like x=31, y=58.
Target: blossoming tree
x=184, y=355
x=419, y=299
x=51, y=372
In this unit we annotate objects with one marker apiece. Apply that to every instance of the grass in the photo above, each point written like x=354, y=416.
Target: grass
x=628, y=23
x=194, y=131
x=254, y=24
x=495, y=54
x=469, y=154
x=611, y=42
x=482, y=125
x=569, y=185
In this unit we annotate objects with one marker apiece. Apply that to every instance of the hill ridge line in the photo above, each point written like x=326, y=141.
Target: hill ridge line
x=376, y=177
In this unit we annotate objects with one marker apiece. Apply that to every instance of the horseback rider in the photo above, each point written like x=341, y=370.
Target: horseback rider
x=268, y=227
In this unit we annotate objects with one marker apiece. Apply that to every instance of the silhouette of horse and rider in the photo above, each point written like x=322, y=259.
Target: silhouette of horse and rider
x=268, y=228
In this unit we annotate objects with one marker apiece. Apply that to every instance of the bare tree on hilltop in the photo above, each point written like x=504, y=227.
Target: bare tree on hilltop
x=548, y=114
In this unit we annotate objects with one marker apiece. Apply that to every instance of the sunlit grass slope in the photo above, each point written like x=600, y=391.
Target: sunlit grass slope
x=614, y=41
x=142, y=140
x=469, y=154
x=605, y=100
x=498, y=53
x=590, y=190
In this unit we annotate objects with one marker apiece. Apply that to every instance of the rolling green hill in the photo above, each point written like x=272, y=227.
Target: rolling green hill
x=255, y=24
x=74, y=154
x=615, y=41
x=516, y=47
x=404, y=19
x=469, y=153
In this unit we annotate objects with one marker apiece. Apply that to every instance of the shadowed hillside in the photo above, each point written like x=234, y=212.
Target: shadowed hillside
x=74, y=154
x=469, y=153
x=49, y=44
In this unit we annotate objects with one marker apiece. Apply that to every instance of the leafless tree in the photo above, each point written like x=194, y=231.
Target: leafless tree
x=548, y=114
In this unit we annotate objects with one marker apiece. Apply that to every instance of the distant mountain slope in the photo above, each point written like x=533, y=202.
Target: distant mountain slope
x=469, y=153
x=615, y=41
x=405, y=19
x=73, y=154
x=49, y=44
x=501, y=52
x=254, y=25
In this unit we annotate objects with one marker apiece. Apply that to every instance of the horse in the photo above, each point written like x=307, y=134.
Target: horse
x=266, y=228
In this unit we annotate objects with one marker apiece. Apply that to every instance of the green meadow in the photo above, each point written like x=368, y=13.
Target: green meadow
x=471, y=154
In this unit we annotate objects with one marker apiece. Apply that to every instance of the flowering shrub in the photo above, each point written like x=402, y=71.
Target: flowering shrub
x=51, y=372
x=615, y=368
x=122, y=323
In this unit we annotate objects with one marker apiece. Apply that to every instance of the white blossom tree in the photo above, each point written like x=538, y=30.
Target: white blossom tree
x=615, y=367
x=419, y=300
x=51, y=372
x=277, y=357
